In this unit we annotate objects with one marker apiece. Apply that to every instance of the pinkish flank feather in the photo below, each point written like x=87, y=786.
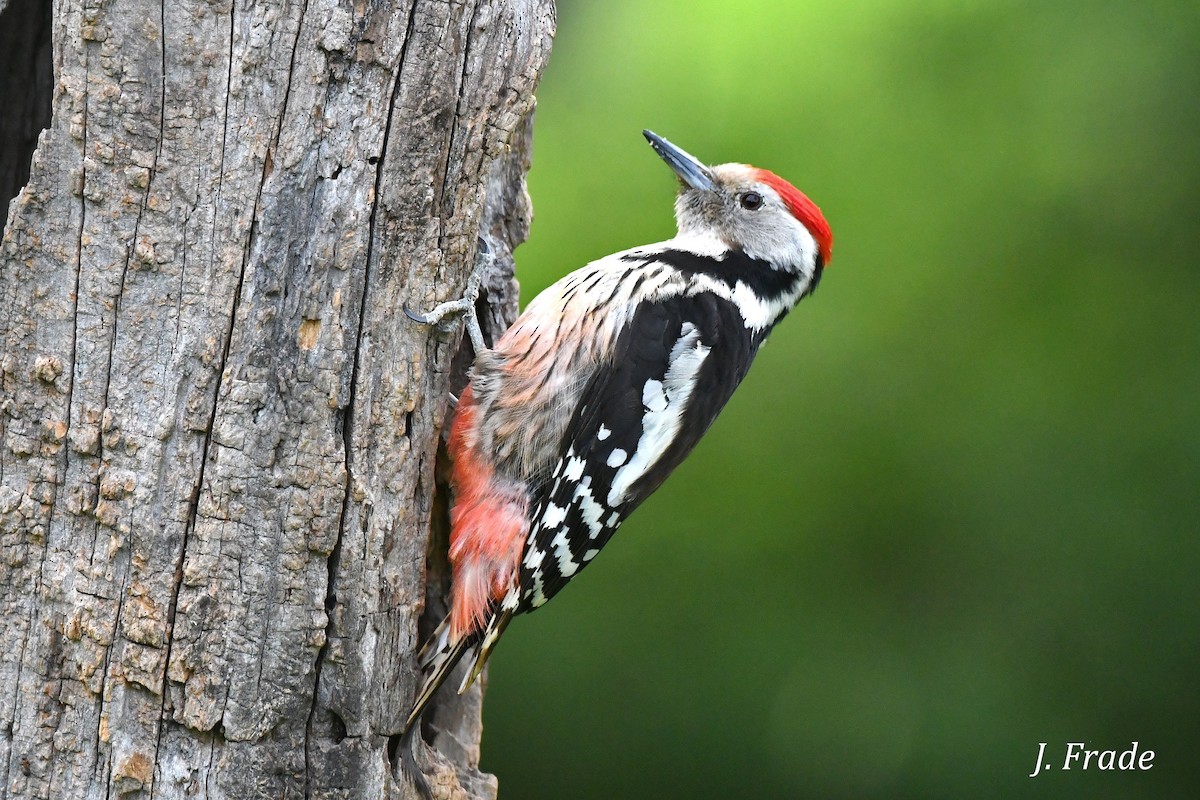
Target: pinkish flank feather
x=488, y=527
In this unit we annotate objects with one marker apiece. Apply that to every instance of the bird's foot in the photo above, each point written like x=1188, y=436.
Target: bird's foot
x=465, y=305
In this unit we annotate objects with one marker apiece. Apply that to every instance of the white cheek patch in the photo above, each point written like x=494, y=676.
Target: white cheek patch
x=665, y=404
x=785, y=240
x=760, y=313
x=785, y=243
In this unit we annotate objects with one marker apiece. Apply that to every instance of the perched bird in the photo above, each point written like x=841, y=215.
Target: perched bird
x=602, y=387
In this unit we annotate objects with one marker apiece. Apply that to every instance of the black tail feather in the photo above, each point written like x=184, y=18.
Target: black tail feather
x=408, y=762
x=437, y=659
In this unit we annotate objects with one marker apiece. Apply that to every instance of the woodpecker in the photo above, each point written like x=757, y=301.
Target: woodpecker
x=602, y=387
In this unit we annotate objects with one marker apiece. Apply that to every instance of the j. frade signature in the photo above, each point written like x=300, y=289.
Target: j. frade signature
x=1080, y=758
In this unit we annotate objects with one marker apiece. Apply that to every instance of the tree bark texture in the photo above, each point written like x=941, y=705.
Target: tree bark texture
x=218, y=434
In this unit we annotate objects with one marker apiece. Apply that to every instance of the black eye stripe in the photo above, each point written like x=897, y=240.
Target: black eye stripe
x=751, y=201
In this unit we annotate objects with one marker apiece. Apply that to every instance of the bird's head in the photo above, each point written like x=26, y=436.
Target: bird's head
x=748, y=209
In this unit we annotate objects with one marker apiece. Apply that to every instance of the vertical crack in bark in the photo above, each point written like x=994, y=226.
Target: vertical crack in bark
x=162, y=108
x=129, y=253
x=66, y=463
x=194, y=508
x=348, y=414
x=100, y=706
x=5, y=391
x=74, y=304
x=194, y=500
x=225, y=126
x=448, y=153
x=210, y=773
x=437, y=562
x=287, y=89
x=454, y=128
x=190, y=524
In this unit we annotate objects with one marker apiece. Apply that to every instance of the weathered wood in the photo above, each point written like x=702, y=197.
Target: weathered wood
x=217, y=433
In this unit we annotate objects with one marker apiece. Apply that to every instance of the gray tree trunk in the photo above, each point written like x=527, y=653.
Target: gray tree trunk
x=218, y=434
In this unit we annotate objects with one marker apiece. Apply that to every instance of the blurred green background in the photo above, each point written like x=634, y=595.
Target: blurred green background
x=952, y=512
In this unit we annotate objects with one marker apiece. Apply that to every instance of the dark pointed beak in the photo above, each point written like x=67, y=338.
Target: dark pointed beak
x=686, y=166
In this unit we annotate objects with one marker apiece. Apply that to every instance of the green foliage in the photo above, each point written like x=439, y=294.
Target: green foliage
x=952, y=512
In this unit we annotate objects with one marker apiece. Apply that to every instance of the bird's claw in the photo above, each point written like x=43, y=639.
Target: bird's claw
x=422, y=319
x=465, y=305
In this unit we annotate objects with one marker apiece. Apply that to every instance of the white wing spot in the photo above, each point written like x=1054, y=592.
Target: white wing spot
x=574, y=469
x=617, y=457
x=533, y=558
x=539, y=596
x=553, y=516
x=613, y=519
x=588, y=555
x=653, y=396
x=562, y=549
x=589, y=509
x=603, y=433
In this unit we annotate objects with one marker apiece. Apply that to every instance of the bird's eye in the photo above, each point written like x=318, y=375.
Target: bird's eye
x=751, y=201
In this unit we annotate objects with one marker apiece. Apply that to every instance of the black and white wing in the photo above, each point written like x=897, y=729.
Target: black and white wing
x=674, y=367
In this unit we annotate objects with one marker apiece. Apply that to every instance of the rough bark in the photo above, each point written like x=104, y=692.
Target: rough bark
x=217, y=433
